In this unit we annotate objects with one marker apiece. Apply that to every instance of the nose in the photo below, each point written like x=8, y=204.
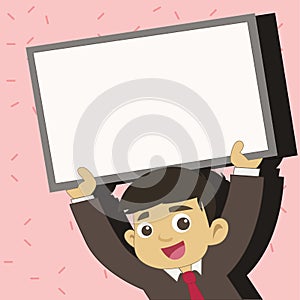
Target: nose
x=163, y=238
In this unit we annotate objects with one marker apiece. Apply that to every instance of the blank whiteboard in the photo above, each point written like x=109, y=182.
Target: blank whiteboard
x=156, y=73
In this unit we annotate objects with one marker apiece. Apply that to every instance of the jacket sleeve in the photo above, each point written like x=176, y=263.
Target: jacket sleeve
x=241, y=211
x=268, y=216
x=105, y=244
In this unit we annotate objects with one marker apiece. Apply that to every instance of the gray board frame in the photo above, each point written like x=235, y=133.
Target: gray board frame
x=260, y=74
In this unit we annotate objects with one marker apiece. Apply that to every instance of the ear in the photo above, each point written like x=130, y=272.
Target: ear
x=218, y=231
x=129, y=237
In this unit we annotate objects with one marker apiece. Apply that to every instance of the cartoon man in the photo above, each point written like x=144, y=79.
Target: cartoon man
x=183, y=245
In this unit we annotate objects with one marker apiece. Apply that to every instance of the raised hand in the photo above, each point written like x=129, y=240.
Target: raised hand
x=86, y=188
x=239, y=160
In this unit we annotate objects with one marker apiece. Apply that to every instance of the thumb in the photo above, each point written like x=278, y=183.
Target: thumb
x=86, y=187
x=85, y=174
x=237, y=148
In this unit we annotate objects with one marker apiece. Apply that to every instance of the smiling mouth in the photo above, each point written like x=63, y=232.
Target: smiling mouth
x=174, y=252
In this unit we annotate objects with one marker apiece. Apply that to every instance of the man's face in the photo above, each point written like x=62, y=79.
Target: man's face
x=174, y=235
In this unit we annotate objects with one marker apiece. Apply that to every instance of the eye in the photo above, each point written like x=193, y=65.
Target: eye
x=181, y=222
x=144, y=230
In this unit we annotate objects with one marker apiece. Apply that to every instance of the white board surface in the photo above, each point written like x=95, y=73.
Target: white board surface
x=216, y=62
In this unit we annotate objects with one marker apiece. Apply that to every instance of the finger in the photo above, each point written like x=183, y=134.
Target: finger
x=88, y=185
x=254, y=163
x=85, y=174
x=75, y=193
x=237, y=147
x=238, y=159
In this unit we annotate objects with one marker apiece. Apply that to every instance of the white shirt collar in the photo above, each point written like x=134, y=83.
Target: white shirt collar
x=174, y=273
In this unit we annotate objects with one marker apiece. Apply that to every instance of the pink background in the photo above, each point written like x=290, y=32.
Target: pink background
x=42, y=253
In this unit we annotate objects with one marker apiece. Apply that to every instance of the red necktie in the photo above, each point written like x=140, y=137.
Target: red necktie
x=190, y=279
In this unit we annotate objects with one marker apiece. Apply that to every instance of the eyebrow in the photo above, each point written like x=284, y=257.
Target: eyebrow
x=144, y=215
x=179, y=208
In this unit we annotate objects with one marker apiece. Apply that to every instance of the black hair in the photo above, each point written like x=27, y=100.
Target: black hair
x=174, y=184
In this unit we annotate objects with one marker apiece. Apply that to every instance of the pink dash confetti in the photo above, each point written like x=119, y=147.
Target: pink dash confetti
x=280, y=25
x=31, y=9
x=71, y=225
x=100, y=16
x=15, y=104
x=61, y=270
x=27, y=221
x=12, y=17
x=34, y=278
x=176, y=14
x=283, y=209
x=30, y=40
x=213, y=12
x=156, y=9
x=98, y=34
x=8, y=261
x=63, y=292
x=11, y=44
x=14, y=178
x=34, y=110
x=14, y=157
x=10, y=80
x=137, y=28
x=272, y=249
x=47, y=20
x=27, y=243
x=105, y=273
